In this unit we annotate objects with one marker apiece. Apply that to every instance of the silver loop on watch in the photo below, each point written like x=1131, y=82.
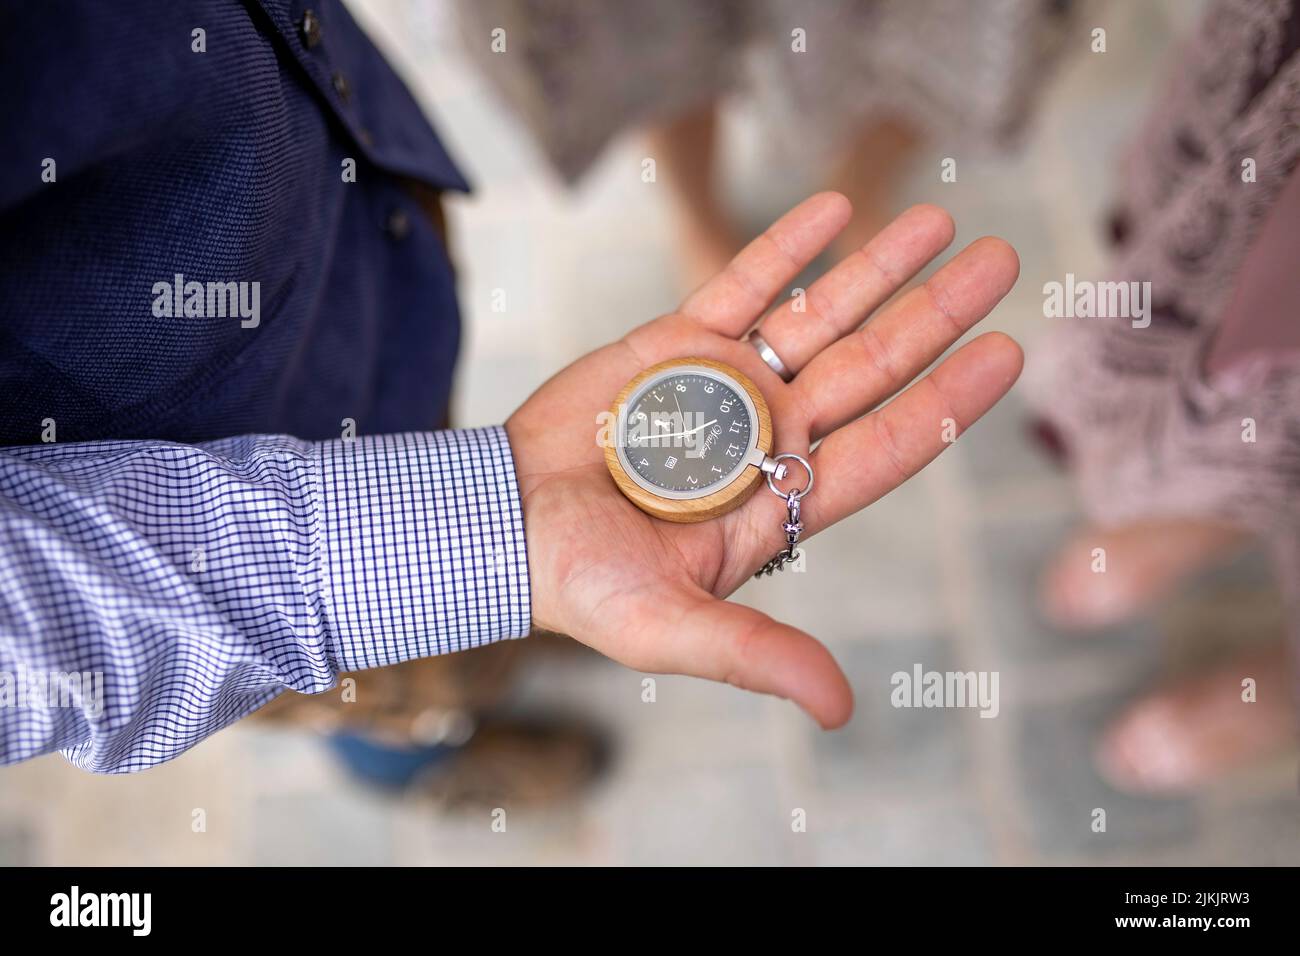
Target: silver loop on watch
x=768, y=355
x=806, y=467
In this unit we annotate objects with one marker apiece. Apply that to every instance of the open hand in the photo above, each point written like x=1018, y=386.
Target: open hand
x=649, y=593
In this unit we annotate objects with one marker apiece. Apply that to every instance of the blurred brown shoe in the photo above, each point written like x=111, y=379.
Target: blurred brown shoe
x=517, y=763
x=435, y=726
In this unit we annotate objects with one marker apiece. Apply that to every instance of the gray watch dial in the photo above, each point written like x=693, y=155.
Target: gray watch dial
x=687, y=433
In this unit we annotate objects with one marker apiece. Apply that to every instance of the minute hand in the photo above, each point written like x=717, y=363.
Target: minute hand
x=691, y=431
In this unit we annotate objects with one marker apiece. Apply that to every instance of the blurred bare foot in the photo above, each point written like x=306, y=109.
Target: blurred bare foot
x=1181, y=737
x=1136, y=566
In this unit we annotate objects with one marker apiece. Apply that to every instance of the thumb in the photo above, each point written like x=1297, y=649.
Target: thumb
x=692, y=632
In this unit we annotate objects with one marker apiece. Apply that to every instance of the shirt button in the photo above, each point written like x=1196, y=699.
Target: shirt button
x=341, y=86
x=310, y=29
x=399, y=224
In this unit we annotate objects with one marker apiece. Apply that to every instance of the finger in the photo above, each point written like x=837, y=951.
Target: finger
x=732, y=301
x=727, y=642
x=839, y=301
x=864, y=461
x=866, y=367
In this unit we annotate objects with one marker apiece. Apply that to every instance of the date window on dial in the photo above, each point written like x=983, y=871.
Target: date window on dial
x=671, y=462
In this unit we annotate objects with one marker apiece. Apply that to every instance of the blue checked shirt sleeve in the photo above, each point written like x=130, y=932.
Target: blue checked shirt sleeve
x=196, y=582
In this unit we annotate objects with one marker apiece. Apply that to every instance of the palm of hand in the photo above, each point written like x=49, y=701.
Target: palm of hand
x=647, y=592
x=600, y=549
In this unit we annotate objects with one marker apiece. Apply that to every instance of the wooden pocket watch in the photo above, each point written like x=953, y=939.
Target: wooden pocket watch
x=692, y=440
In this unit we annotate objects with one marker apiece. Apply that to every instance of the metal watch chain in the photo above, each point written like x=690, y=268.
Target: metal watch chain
x=793, y=526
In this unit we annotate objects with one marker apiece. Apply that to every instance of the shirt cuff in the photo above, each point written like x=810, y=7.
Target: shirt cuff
x=422, y=545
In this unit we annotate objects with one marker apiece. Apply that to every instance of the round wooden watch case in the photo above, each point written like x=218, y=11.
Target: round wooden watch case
x=731, y=495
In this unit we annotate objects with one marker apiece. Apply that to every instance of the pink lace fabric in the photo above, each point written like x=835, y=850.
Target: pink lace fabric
x=1149, y=433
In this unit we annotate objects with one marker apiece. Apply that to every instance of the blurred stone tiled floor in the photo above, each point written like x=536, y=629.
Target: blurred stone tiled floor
x=939, y=573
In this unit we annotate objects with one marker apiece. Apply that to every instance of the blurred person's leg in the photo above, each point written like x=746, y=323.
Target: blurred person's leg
x=1183, y=735
x=870, y=172
x=685, y=149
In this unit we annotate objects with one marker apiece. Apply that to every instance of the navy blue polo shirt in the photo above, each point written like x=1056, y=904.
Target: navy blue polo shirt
x=137, y=149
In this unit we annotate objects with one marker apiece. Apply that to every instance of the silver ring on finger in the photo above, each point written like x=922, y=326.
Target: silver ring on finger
x=768, y=355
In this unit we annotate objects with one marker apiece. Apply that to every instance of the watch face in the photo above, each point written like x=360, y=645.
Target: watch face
x=687, y=432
